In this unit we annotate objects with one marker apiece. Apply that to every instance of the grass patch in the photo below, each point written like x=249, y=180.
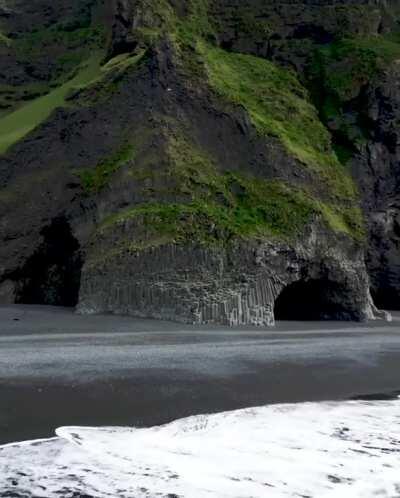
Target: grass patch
x=263, y=210
x=16, y=125
x=277, y=214
x=95, y=179
x=108, y=80
x=122, y=62
x=219, y=206
x=279, y=106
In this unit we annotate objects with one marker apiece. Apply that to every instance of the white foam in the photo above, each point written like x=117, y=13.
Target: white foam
x=348, y=449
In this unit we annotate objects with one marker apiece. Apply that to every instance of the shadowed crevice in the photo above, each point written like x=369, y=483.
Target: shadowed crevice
x=52, y=274
x=386, y=297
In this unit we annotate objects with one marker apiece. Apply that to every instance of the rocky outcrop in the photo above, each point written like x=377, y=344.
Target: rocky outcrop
x=234, y=285
x=194, y=176
x=380, y=188
x=288, y=31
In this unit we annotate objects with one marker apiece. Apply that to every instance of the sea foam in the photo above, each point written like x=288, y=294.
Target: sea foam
x=336, y=449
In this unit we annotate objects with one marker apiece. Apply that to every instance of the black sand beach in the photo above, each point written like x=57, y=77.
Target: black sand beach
x=58, y=368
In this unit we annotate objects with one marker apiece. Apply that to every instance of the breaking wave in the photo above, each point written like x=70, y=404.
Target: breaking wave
x=335, y=449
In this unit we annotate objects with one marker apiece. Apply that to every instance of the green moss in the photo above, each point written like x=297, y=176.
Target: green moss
x=216, y=206
x=160, y=19
x=193, y=171
x=337, y=74
x=4, y=40
x=157, y=20
x=279, y=106
x=195, y=23
x=93, y=180
x=14, y=96
x=262, y=210
x=346, y=220
x=108, y=80
x=16, y=125
x=63, y=49
x=276, y=214
x=346, y=66
x=211, y=206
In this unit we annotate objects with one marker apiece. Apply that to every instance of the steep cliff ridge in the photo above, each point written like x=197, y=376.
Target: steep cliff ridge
x=186, y=160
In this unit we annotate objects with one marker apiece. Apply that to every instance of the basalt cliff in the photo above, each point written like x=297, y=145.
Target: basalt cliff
x=225, y=161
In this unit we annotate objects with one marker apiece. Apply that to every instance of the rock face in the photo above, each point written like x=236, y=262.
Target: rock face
x=379, y=156
x=207, y=162
x=234, y=286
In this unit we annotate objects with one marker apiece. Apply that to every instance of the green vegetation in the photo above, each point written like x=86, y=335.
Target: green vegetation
x=278, y=105
x=262, y=209
x=14, y=126
x=217, y=206
x=108, y=81
x=162, y=20
x=195, y=24
x=123, y=61
x=14, y=96
x=337, y=74
x=347, y=220
x=159, y=20
x=346, y=65
x=271, y=210
x=95, y=179
x=4, y=40
x=52, y=55
x=34, y=43
x=65, y=48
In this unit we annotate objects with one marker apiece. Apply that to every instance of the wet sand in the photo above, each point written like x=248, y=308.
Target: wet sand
x=58, y=368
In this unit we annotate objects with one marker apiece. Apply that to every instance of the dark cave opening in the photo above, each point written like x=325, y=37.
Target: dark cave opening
x=307, y=300
x=52, y=274
x=386, y=298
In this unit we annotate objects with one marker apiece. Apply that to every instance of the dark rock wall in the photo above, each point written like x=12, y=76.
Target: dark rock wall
x=286, y=31
x=232, y=285
x=378, y=173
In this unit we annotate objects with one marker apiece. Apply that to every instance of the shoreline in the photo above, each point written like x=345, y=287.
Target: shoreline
x=307, y=449
x=58, y=369
x=386, y=396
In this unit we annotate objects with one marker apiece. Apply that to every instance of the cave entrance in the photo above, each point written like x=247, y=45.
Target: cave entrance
x=306, y=300
x=52, y=274
x=386, y=298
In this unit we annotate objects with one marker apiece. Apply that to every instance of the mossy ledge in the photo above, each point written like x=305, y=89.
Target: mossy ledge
x=224, y=207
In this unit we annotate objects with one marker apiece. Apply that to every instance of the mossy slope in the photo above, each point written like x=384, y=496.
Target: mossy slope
x=15, y=126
